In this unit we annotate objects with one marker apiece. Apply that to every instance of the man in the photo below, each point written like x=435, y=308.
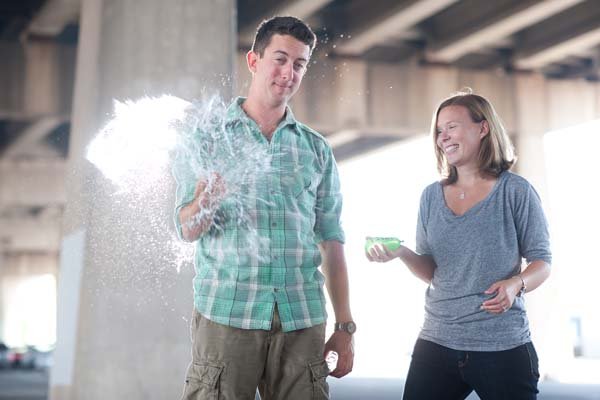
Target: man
x=259, y=321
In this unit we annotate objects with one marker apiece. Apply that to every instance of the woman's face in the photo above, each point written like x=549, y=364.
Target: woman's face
x=458, y=137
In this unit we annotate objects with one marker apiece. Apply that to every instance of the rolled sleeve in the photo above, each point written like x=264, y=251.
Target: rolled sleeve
x=329, y=203
x=532, y=228
x=422, y=245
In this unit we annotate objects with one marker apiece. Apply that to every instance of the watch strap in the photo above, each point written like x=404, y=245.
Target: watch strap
x=348, y=327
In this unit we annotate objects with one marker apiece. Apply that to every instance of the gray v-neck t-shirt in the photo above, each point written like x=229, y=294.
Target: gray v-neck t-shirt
x=471, y=252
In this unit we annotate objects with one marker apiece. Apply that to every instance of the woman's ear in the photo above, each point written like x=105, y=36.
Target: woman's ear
x=485, y=128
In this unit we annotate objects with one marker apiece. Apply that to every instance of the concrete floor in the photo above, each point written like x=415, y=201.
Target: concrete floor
x=33, y=385
x=23, y=385
x=388, y=389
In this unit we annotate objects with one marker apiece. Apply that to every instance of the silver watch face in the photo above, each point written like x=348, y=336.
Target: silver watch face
x=350, y=327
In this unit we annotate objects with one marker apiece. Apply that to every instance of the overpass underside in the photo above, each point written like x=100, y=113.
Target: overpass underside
x=378, y=73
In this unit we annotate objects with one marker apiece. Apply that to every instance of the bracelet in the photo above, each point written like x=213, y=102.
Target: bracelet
x=523, y=286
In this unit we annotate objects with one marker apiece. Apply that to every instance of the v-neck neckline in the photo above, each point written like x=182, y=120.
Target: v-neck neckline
x=475, y=206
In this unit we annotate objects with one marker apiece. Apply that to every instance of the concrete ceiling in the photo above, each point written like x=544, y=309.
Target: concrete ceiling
x=560, y=38
x=542, y=35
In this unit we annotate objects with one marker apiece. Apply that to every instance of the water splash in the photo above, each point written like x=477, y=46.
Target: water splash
x=132, y=150
x=148, y=139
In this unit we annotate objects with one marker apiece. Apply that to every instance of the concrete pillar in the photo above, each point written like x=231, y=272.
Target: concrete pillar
x=123, y=307
x=11, y=78
x=2, y=303
x=547, y=317
x=42, y=77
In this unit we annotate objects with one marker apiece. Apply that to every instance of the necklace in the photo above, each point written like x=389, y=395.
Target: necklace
x=462, y=195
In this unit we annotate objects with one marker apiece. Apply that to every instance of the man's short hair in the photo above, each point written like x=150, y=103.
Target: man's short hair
x=282, y=26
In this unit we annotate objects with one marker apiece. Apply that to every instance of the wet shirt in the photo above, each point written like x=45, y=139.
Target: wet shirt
x=244, y=269
x=472, y=251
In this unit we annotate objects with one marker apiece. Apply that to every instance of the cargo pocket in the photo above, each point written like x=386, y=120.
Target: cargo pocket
x=319, y=372
x=203, y=382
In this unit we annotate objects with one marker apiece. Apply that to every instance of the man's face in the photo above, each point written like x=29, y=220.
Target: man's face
x=278, y=73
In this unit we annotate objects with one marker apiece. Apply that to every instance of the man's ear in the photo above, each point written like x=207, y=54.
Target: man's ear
x=251, y=59
x=485, y=129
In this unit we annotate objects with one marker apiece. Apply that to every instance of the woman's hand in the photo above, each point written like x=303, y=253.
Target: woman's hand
x=380, y=253
x=506, y=291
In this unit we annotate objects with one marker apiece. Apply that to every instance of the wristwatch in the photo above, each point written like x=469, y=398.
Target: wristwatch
x=348, y=327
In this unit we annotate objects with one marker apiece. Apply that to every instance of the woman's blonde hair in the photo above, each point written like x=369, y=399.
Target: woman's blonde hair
x=496, y=152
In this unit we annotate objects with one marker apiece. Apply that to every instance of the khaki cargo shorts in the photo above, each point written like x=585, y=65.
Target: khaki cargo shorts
x=230, y=363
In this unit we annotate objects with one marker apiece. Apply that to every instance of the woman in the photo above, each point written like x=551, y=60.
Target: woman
x=474, y=229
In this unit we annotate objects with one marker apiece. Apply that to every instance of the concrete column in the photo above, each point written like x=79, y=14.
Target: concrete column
x=352, y=93
x=2, y=295
x=123, y=306
x=11, y=79
x=547, y=317
x=42, y=77
x=495, y=86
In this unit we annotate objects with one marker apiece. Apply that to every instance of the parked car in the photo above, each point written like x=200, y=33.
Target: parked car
x=17, y=358
x=4, y=356
x=41, y=359
x=29, y=357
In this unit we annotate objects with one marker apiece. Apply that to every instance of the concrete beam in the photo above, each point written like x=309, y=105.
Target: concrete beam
x=32, y=183
x=33, y=135
x=587, y=68
x=298, y=8
x=559, y=50
x=54, y=16
x=403, y=18
x=17, y=265
x=40, y=233
x=568, y=33
x=346, y=136
x=13, y=115
x=496, y=28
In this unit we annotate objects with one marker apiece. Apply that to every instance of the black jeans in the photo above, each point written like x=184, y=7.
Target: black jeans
x=439, y=373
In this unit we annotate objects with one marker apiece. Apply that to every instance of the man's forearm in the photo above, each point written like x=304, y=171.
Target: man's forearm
x=336, y=278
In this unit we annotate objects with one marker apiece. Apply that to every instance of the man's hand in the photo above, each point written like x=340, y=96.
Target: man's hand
x=343, y=344
x=197, y=217
x=209, y=193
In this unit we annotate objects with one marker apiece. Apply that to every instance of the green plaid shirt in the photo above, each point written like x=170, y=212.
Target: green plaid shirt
x=303, y=208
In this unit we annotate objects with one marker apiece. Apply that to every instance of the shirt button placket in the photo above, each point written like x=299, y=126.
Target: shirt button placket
x=277, y=218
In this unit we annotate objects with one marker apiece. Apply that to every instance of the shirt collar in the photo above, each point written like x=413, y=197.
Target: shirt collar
x=235, y=113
